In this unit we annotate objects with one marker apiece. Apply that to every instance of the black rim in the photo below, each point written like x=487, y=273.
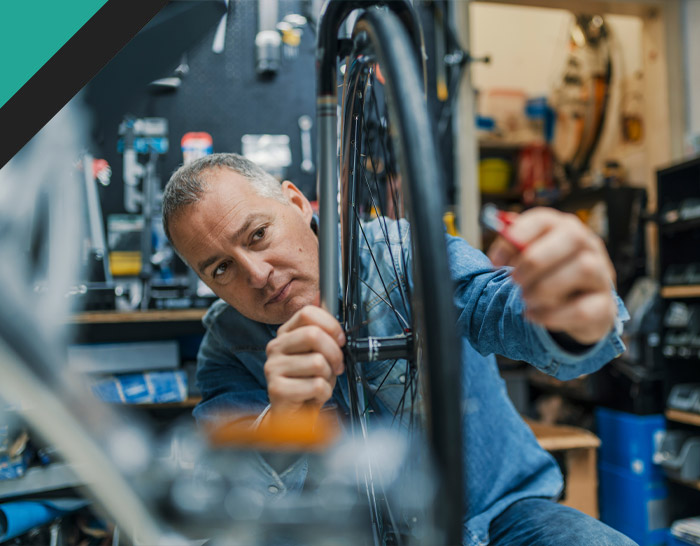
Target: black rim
x=364, y=188
x=378, y=181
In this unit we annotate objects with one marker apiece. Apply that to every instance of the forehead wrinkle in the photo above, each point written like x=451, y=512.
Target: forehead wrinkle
x=214, y=236
x=250, y=219
x=214, y=231
x=215, y=188
x=201, y=234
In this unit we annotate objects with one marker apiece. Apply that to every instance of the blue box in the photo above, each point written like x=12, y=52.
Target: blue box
x=636, y=506
x=629, y=441
x=142, y=388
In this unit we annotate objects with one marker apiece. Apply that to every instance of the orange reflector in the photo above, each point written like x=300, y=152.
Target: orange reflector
x=306, y=430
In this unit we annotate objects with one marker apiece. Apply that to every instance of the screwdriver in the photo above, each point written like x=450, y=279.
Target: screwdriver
x=494, y=219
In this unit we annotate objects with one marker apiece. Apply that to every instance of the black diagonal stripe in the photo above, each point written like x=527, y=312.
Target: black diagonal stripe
x=70, y=68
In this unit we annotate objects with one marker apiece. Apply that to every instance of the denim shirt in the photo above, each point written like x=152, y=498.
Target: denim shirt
x=503, y=461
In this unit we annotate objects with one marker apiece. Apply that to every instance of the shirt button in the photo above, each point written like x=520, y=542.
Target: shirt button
x=273, y=489
x=402, y=378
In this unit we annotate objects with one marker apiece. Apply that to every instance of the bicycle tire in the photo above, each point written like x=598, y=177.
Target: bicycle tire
x=381, y=40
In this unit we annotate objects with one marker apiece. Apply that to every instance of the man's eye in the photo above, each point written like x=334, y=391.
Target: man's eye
x=259, y=234
x=220, y=270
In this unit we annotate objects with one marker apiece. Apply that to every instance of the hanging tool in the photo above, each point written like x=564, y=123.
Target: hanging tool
x=307, y=162
x=268, y=41
x=220, y=36
x=290, y=28
x=96, y=170
x=146, y=136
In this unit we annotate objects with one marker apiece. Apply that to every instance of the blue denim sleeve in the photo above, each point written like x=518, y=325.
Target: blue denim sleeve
x=228, y=387
x=491, y=316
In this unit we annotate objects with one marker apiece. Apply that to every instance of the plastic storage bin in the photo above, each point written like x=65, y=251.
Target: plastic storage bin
x=494, y=175
x=686, y=396
x=636, y=506
x=629, y=441
x=680, y=455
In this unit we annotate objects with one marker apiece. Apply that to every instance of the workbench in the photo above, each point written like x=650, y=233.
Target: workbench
x=580, y=455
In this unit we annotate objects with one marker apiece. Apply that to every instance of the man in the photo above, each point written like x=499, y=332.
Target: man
x=252, y=240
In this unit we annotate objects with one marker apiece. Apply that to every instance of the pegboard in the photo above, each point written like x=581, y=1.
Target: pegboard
x=221, y=94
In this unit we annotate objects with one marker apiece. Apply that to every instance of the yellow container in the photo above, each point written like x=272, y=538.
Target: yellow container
x=125, y=263
x=494, y=175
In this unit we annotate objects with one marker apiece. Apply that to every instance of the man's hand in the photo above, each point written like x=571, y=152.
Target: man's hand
x=564, y=271
x=303, y=362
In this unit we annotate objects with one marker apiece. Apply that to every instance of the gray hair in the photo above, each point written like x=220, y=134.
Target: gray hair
x=188, y=184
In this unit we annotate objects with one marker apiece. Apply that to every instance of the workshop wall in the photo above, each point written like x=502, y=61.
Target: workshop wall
x=221, y=94
x=528, y=50
x=517, y=37
x=691, y=18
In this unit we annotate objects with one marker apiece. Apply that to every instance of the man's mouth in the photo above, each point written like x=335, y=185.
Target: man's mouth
x=281, y=294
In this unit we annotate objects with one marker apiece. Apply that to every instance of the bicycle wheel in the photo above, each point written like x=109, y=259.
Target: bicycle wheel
x=403, y=352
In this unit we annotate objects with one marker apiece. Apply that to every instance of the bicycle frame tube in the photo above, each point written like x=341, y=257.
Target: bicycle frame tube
x=55, y=420
x=333, y=14
x=328, y=203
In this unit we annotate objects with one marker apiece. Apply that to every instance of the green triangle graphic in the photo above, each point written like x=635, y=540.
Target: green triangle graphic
x=31, y=32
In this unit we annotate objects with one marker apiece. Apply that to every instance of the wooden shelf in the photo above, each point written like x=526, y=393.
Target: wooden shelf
x=580, y=453
x=561, y=437
x=154, y=315
x=683, y=417
x=692, y=485
x=578, y=389
x=494, y=144
x=40, y=480
x=679, y=225
x=187, y=403
x=683, y=291
x=509, y=197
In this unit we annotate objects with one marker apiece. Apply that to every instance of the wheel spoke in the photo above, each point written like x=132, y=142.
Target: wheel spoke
x=385, y=230
x=374, y=142
x=402, y=403
x=374, y=394
x=384, y=141
x=388, y=303
x=379, y=207
x=376, y=265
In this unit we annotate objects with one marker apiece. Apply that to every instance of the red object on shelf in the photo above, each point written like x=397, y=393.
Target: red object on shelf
x=535, y=171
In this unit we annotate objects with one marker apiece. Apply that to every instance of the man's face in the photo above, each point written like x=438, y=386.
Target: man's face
x=257, y=254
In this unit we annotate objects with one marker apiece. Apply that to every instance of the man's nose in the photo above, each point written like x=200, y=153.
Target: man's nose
x=257, y=270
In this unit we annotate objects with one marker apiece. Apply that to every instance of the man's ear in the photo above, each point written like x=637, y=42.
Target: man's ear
x=297, y=199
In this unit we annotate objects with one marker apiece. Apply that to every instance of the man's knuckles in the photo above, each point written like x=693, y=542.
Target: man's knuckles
x=321, y=389
x=592, y=320
x=303, y=317
x=272, y=347
x=276, y=389
x=308, y=315
x=319, y=366
x=590, y=267
x=541, y=215
x=575, y=229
